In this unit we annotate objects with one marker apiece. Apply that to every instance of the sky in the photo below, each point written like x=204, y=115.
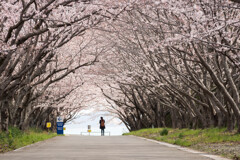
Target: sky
x=79, y=126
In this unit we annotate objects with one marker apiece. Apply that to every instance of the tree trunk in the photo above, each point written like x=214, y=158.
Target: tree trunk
x=174, y=118
x=4, y=116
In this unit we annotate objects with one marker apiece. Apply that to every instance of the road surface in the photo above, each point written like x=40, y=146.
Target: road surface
x=99, y=148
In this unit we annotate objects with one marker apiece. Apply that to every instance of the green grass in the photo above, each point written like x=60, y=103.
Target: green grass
x=188, y=137
x=199, y=139
x=16, y=138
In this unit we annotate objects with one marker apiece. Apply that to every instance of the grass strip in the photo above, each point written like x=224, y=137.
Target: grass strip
x=16, y=138
x=213, y=140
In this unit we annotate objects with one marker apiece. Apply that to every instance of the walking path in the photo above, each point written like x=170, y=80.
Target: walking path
x=100, y=148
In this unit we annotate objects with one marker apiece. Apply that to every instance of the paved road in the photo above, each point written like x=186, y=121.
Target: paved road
x=99, y=148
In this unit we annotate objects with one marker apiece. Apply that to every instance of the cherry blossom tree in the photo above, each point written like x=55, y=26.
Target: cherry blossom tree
x=181, y=57
x=32, y=34
x=165, y=63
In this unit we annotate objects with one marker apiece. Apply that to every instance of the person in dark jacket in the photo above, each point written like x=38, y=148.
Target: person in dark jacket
x=102, y=126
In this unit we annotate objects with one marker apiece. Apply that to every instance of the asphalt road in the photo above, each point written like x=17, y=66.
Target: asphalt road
x=99, y=148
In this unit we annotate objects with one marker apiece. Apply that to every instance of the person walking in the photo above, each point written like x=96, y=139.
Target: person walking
x=102, y=126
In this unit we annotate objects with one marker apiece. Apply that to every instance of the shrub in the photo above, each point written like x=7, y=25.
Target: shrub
x=164, y=132
x=180, y=135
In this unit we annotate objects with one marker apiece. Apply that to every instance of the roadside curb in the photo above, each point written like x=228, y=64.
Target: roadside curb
x=214, y=157
x=18, y=149
x=30, y=145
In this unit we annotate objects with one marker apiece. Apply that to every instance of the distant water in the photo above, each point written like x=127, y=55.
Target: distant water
x=113, y=125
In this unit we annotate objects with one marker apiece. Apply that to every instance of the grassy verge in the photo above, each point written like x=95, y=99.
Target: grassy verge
x=17, y=138
x=214, y=140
